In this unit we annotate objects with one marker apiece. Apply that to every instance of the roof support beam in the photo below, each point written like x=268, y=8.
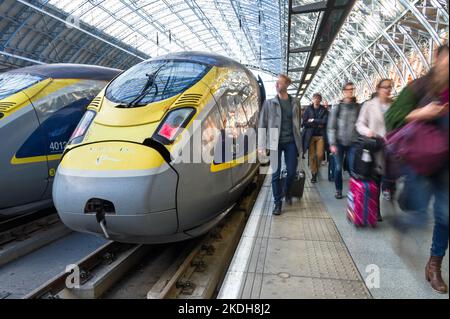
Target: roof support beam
x=310, y=8
x=415, y=46
x=419, y=16
x=300, y=50
x=20, y=57
x=324, y=38
x=79, y=28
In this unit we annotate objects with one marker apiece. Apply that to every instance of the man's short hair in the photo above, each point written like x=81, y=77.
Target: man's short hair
x=286, y=78
x=349, y=83
x=317, y=95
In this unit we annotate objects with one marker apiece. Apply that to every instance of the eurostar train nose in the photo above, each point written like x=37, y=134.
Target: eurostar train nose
x=119, y=190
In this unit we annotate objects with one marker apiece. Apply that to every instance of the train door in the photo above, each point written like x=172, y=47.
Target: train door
x=59, y=114
x=23, y=171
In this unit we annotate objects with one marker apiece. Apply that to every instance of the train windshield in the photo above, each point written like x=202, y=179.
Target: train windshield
x=11, y=83
x=154, y=81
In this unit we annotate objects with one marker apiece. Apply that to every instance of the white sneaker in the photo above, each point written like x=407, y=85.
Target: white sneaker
x=387, y=195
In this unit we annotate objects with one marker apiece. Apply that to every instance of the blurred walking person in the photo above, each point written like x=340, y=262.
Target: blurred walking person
x=425, y=100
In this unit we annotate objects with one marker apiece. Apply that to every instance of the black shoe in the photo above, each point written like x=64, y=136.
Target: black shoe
x=288, y=201
x=314, y=178
x=379, y=218
x=338, y=195
x=277, y=209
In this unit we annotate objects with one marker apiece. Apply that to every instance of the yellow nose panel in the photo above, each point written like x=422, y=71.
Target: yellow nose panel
x=111, y=156
x=112, y=115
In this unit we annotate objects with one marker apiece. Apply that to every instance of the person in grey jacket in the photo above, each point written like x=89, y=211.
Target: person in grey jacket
x=280, y=118
x=342, y=133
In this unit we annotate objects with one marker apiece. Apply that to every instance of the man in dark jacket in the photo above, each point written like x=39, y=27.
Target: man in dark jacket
x=342, y=133
x=314, y=122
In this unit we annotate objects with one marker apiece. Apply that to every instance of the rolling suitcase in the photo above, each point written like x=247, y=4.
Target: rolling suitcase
x=362, y=209
x=298, y=185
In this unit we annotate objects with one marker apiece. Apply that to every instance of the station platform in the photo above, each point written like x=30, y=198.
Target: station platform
x=312, y=251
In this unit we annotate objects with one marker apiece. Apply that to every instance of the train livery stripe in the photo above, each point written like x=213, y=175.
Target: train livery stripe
x=239, y=161
x=112, y=173
x=35, y=159
x=7, y=120
x=36, y=93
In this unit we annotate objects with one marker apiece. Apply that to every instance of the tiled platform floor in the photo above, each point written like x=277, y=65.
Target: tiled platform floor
x=312, y=251
x=299, y=254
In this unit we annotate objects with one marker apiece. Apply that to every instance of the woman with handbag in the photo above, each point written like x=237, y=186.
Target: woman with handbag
x=420, y=116
x=371, y=125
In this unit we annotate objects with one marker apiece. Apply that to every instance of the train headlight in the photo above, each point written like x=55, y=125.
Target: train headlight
x=80, y=131
x=173, y=124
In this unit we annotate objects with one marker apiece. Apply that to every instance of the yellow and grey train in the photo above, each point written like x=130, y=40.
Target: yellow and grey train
x=125, y=174
x=40, y=106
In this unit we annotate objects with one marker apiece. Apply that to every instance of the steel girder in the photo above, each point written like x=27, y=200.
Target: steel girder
x=31, y=32
x=402, y=47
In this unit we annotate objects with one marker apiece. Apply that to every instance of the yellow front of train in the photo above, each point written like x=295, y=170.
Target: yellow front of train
x=115, y=178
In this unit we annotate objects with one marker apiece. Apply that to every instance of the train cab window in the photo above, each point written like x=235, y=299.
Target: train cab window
x=50, y=104
x=154, y=81
x=11, y=83
x=60, y=112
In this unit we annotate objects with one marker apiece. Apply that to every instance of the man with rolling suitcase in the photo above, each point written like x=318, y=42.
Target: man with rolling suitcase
x=280, y=117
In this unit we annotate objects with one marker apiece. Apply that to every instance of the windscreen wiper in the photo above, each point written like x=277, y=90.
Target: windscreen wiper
x=148, y=85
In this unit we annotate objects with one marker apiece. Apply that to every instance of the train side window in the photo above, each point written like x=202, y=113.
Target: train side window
x=212, y=138
x=225, y=148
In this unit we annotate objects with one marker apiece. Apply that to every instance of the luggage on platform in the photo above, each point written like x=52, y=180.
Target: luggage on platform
x=298, y=185
x=362, y=209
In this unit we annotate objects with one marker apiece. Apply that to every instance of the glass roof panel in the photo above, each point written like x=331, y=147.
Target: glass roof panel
x=250, y=31
x=303, y=27
x=297, y=59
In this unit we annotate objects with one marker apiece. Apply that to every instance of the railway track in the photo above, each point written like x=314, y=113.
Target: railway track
x=21, y=235
x=191, y=269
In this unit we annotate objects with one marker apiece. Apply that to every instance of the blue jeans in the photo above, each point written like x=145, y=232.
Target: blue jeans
x=439, y=188
x=417, y=192
x=339, y=160
x=291, y=160
x=416, y=196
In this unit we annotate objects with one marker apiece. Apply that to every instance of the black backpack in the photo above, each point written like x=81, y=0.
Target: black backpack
x=363, y=166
